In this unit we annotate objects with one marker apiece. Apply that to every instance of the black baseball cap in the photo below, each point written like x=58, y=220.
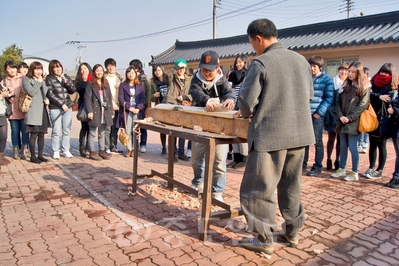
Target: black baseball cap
x=209, y=60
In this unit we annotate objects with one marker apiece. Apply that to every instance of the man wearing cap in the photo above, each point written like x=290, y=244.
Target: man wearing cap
x=177, y=93
x=210, y=88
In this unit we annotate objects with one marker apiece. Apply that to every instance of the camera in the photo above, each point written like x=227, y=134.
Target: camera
x=105, y=105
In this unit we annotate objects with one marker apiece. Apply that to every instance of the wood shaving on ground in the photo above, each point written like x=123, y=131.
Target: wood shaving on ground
x=157, y=202
x=318, y=251
x=172, y=196
x=315, y=231
x=152, y=188
x=192, y=203
x=267, y=256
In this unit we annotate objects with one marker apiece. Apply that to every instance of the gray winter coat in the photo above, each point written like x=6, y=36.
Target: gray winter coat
x=276, y=91
x=37, y=90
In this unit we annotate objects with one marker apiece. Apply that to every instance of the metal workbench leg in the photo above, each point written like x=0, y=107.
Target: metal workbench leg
x=135, y=161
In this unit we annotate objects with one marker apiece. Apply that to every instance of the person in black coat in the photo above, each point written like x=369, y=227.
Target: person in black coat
x=83, y=76
x=98, y=103
x=60, y=86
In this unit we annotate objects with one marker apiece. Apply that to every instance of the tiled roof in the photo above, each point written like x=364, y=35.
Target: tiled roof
x=366, y=30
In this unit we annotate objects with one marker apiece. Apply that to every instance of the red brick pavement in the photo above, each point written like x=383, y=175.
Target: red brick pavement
x=79, y=212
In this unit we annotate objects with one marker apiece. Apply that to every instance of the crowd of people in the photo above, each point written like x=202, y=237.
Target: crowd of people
x=305, y=98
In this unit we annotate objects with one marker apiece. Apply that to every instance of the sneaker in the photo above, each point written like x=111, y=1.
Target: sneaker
x=339, y=173
x=115, y=151
x=218, y=196
x=365, y=174
x=364, y=150
x=199, y=187
x=254, y=244
x=359, y=149
x=56, y=155
x=229, y=155
x=143, y=149
x=163, y=152
x=374, y=174
x=292, y=241
x=182, y=157
x=352, y=176
x=108, y=152
x=394, y=184
x=68, y=154
x=188, y=153
x=314, y=172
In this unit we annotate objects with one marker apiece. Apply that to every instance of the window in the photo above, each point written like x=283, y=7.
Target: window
x=333, y=64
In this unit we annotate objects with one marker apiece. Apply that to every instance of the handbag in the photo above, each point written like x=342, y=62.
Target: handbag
x=8, y=103
x=368, y=120
x=82, y=114
x=385, y=123
x=122, y=136
x=24, y=101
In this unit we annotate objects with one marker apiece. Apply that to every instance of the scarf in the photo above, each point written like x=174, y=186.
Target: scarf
x=381, y=81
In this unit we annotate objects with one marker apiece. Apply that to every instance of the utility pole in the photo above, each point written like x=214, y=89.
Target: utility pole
x=80, y=47
x=347, y=6
x=215, y=5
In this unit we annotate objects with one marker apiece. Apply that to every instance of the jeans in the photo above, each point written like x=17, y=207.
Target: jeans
x=103, y=131
x=189, y=144
x=18, y=135
x=129, y=129
x=349, y=141
x=111, y=142
x=181, y=146
x=266, y=172
x=364, y=140
x=318, y=124
x=61, y=129
x=219, y=165
x=395, y=142
x=143, y=139
x=241, y=148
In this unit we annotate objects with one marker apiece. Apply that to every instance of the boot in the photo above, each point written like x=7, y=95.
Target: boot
x=329, y=164
x=129, y=153
x=394, y=183
x=22, y=152
x=236, y=159
x=4, y=160
x=243, y=162
x=104, y=155
x=16, y=153
x=336, y=165
x=82, y=151
x=94, y=156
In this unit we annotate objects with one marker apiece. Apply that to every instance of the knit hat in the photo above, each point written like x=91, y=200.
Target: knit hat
x=209, y=60
x=180, y=63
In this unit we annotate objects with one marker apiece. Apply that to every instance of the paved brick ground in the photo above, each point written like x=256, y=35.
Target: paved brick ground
x=79, y=212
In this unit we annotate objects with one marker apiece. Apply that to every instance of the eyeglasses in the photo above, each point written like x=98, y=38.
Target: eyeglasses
x=207, y=71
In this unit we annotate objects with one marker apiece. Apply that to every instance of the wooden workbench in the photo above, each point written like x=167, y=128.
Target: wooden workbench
x=210, y=140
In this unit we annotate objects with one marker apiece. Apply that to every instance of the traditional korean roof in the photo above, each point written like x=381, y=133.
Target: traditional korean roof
x=356, y=31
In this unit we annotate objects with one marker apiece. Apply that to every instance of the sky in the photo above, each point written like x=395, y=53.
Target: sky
x=129, y=29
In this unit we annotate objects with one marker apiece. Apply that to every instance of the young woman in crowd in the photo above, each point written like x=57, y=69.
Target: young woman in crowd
x=98, y=103
x=131, y=105
x=19, y=138
x=394, y=111
x=384, y=88
x=236, y=77
x=330, y=119
x=60, y=86
x=37, y=119
x=83, y=76
x=159, y=84
x=351, y=102
x=23, y=68
x=4, y=93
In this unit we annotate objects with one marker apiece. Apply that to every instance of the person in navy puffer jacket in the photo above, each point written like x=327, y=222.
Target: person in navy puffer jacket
x=323, y=98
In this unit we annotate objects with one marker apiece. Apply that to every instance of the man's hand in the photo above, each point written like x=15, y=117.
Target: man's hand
x=212, y=103
x=229, y=103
